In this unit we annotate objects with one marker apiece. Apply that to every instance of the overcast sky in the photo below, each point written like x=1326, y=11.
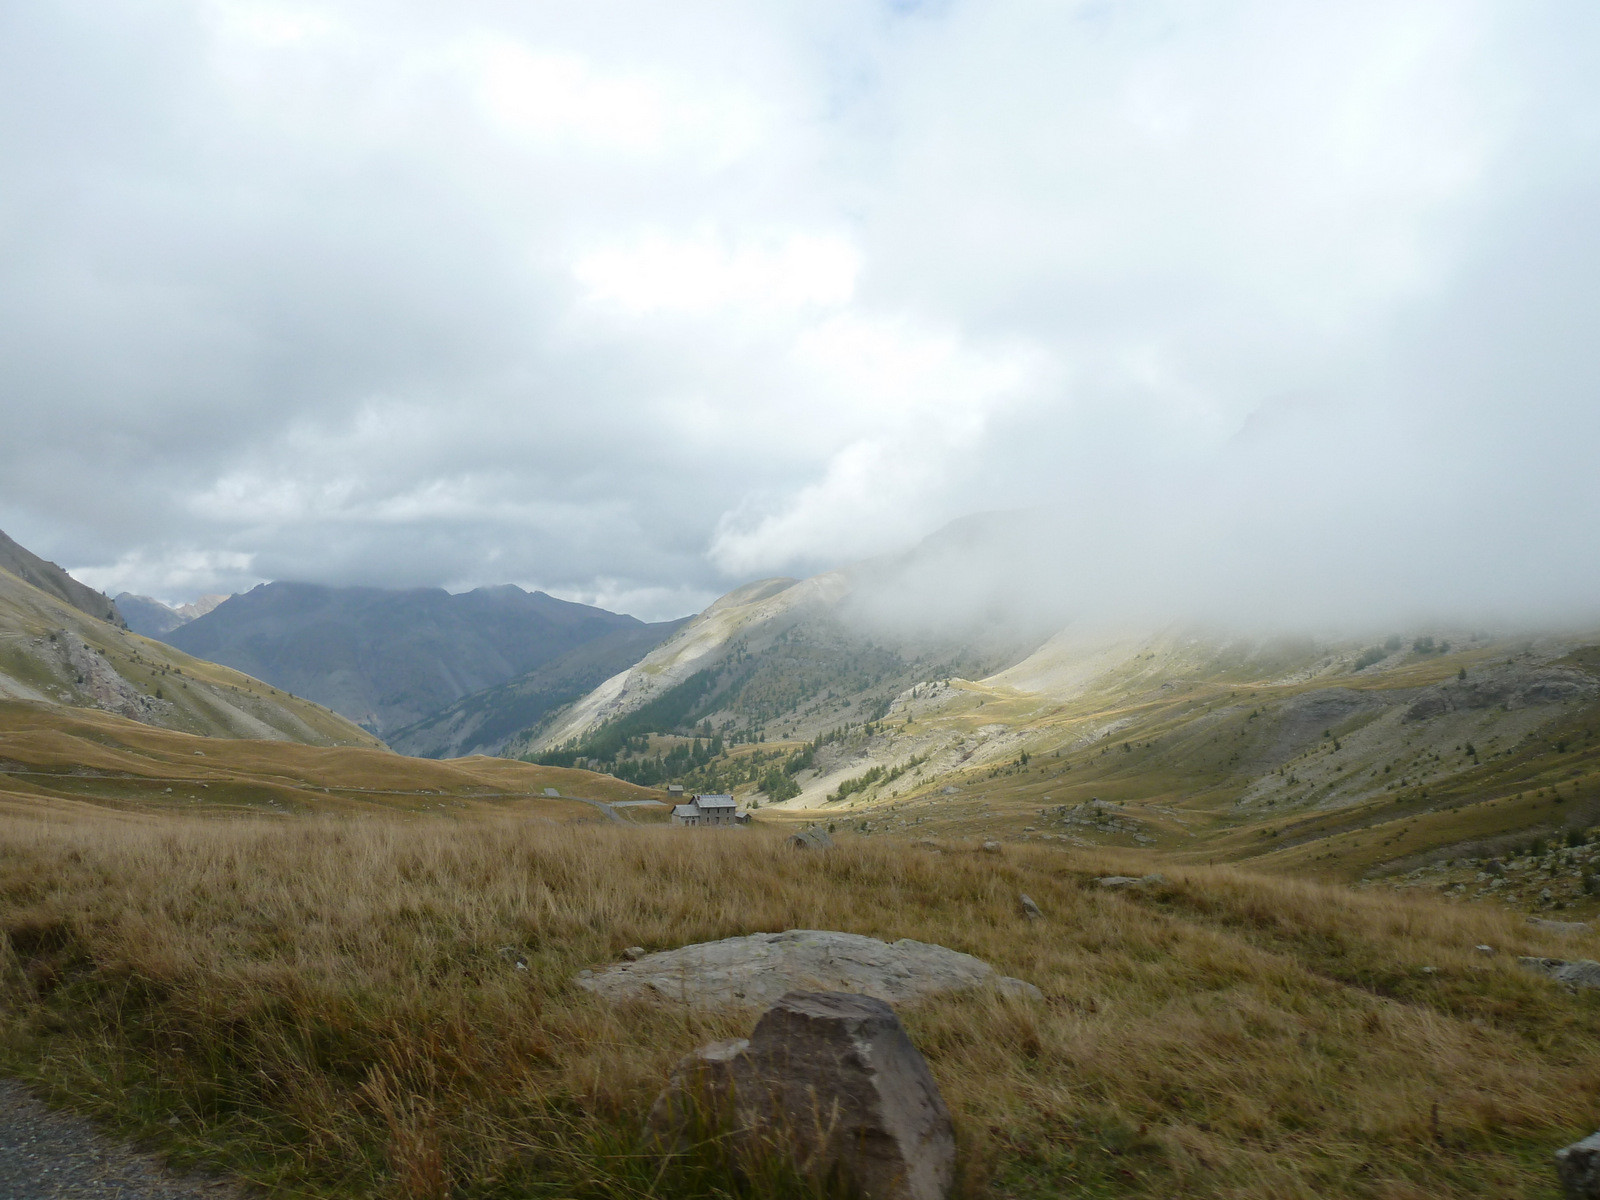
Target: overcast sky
x=635, y=302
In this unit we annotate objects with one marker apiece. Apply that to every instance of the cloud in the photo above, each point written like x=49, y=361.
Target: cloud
x=637, y=301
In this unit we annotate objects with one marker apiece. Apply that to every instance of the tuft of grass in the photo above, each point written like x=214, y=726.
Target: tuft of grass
x=329, y=1006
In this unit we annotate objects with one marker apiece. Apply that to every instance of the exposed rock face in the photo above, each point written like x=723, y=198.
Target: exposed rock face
x=1504, y=687
x=830, y=1081
x=1584, y=973
x=810, y=839
x=1578, y=1167
x=759, y=969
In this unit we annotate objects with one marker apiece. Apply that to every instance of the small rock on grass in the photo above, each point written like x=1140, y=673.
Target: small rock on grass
x=991, y=847
x=1029, y=908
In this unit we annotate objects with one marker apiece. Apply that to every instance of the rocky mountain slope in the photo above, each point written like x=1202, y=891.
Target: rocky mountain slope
x=484, y=722
x=389, y=658
x=1345, y=759
x=55, y=654
x=52, y=580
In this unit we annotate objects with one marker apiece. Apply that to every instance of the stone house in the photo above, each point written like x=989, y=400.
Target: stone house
x=708, y=810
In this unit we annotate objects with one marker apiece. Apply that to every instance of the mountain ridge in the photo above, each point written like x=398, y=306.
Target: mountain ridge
x=51, y=579
x=390, y=658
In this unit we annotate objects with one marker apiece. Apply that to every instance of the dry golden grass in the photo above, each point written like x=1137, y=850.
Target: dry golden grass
x=64, y=754
x=323, y=1005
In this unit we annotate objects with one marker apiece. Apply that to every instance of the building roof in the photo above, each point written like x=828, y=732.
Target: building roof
x=715, y=801
x=685, y=810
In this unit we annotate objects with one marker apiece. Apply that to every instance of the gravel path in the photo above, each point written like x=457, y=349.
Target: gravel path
x=48, y=1155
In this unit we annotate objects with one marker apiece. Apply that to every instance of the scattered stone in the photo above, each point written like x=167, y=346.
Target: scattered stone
x=1430, y=970
x=1029, y=908
x=810, y=839
x=949, y=791
x=1126, y=881
x=992, y=847
x=1584, y=973
x=1578, y=1168
x=1561, y=926
x=831, y=1081
x=1484, y=949
x=758, y=969
x=633, y=953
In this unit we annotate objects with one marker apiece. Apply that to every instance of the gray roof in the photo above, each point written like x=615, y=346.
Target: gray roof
x=715, y=801
x=685, y=810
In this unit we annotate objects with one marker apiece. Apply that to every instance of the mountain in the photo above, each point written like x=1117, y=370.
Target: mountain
x=775, y=660
x=147, y=615
x=914, y=691
x=387, y=659
x=51, y=579
x=54, y=654
x=484, y=722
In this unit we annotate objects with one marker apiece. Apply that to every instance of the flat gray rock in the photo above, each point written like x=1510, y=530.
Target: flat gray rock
x=760, y=969
x=1584, y=973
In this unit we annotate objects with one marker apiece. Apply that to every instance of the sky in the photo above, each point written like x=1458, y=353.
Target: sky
x=1280, y=307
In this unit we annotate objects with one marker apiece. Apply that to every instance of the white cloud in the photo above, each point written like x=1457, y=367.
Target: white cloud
x=633, y=299
x=657, y=273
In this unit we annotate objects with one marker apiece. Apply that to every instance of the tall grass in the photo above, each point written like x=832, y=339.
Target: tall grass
x=332, y=1007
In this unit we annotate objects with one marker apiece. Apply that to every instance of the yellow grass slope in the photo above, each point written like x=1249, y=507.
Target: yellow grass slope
x=50, y=753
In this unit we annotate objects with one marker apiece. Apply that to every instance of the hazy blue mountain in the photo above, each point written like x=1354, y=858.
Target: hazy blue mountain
x=388, y=658
x=147, y=615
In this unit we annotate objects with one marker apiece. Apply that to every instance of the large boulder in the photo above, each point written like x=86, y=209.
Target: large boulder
x=759, y=969
x=1578, y=1168
x=830, y=1083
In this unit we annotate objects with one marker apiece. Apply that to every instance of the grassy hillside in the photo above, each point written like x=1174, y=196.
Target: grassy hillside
x=57, y=762
x=331, y=1006
x=54, y=654
x=1297, y=756
x=23, y=564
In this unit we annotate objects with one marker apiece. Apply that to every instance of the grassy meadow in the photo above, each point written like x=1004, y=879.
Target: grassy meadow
x=329, y=1004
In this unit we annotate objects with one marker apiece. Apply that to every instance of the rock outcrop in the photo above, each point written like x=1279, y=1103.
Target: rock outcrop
x=1509, y=687
x=829, y=1082
x=759, y=969
x=1578, y=1167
